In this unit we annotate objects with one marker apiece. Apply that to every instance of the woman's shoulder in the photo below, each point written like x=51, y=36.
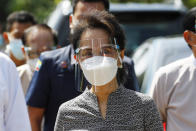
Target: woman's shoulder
x=71, y=104
x=137, y=96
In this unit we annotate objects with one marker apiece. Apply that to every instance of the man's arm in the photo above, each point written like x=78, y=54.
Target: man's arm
x=36, y=115
x=16, y=116
x=158, y=93
x=37, y=94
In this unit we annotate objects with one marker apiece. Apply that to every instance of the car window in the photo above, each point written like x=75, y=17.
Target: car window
x=139, y=26
x=162, y=51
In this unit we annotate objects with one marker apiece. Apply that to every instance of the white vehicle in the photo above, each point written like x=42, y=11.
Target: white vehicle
x=157, y=52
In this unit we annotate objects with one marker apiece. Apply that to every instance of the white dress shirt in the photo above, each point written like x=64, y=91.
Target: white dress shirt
x=173, y=90
x=13, y=110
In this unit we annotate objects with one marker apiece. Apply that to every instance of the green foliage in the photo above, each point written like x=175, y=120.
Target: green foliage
x=190, y=3
x=42, y=8
x=187, y=3
x=39, y=8
x=4, y=10
x=138, y=1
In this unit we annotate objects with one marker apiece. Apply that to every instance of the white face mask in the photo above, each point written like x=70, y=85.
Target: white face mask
x=32, y=63
x=99, y=70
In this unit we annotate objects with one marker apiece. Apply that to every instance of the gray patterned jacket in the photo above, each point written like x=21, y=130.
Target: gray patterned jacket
x=126, y=110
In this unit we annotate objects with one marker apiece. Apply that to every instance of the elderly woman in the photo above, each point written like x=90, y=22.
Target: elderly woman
x=98, y=41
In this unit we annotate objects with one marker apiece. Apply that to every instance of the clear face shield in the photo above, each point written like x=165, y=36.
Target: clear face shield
x=99, y=60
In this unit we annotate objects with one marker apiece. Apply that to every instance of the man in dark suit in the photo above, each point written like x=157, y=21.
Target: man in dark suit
x=53, y=81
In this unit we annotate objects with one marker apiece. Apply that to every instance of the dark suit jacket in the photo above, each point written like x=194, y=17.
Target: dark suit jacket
x=54, y=81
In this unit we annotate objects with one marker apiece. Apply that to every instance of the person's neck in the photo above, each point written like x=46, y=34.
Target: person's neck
x=102, y=92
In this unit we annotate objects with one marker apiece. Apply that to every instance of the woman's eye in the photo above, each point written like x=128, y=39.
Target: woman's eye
x=86, y=53
x=108, y=50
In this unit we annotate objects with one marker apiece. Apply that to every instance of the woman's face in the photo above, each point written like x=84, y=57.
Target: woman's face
x=96, y=42
x=97, y=57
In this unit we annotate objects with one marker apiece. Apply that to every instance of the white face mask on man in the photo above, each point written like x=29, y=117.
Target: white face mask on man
x=99, y=70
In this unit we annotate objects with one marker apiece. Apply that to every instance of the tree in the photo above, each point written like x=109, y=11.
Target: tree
x=39, y=8
x=189, y=3
x=138, y=1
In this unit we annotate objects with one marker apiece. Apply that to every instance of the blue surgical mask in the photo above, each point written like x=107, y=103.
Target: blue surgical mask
x=1, y=40
x=15, y=47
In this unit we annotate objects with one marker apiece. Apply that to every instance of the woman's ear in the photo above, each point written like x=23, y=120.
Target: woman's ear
x=122, y=54
x=120, y=59
x=76, y=58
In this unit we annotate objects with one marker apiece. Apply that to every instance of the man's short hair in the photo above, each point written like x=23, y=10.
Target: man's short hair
x=39, y=27
x=20, y=17
x=105, y=2
x=189, y=20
